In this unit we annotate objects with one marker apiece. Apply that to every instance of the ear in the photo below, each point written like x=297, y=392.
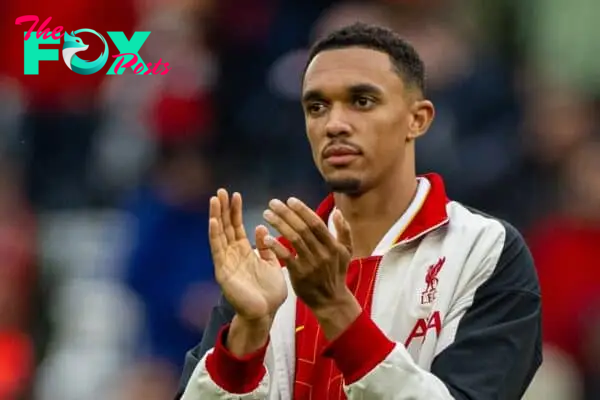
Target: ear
x=422, y=113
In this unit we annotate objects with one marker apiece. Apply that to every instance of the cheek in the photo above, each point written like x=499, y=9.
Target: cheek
x=314, y=141
x=388, y=137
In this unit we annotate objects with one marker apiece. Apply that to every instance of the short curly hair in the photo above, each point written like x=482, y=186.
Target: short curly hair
x=403, y=55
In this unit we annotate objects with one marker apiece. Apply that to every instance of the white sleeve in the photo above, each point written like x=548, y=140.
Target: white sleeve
x=374, y=367
x=489, y=351
x=221, y=376
x=398, y=377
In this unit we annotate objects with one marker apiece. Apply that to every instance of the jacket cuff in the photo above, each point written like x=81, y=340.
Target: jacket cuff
x=359, y=349
x=233, y=374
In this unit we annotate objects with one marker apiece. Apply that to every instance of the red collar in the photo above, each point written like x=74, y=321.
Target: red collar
x=431, y=216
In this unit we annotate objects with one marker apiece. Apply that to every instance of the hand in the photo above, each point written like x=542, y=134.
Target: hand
x=318, y=271
x=253, y=285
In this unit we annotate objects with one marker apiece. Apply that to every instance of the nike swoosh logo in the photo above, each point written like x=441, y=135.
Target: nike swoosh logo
x=299, y=328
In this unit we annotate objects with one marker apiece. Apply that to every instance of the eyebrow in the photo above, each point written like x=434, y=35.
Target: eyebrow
x=360, y=88
x=365, y=88
x=312, y=95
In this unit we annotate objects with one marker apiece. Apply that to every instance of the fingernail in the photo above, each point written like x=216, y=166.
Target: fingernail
x=293, y=201
x=268, y=214
x=276, y=203
x=269, y=240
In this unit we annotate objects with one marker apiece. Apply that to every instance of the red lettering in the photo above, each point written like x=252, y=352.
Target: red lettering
x=419, y=330
x=148, y=72
x=166, y=69
x=422, y=327
x=435, y=322
x=43, y=30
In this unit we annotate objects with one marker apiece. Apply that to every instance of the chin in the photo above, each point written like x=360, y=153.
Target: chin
x=350, y=186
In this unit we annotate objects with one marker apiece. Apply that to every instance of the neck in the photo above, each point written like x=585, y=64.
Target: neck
x=372, y=214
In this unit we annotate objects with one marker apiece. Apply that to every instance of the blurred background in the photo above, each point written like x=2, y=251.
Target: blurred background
x=105, y=273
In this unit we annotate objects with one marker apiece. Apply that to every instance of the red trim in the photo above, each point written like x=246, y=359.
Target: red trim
x=432, y=213
x=286, y=243
x=326, y=207
x=359, y=349
x=233, y=374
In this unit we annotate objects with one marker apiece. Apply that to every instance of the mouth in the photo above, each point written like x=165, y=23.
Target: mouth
x=339, y=155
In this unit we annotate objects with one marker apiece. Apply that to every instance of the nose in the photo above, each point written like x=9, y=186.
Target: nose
x=337, y=123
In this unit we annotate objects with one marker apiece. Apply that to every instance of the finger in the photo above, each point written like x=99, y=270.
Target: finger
x=343, y=230
x=297, y=224
x=280, y=251
x=226, y=215
x=315, y=224
x=216, y=245
x=288, y=232
x=215, y=213
x=264, y=251
x=237, y=220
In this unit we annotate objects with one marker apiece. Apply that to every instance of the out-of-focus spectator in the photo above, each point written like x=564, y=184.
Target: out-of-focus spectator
x=566, y=250
x=557, y=379
x=170, y=266
x=17, y=280
x=138, y=112
x=62, y=114
x=557, y=119
x=561, y=41
x=147, y=380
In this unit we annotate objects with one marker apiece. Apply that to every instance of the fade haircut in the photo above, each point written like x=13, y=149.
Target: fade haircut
x=403, y=56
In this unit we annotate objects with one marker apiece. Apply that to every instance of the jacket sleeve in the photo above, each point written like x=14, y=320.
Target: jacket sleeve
x=212, y=372
x=491, y=350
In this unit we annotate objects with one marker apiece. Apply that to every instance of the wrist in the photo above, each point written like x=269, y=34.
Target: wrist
x=336, y=316
x=248, y=336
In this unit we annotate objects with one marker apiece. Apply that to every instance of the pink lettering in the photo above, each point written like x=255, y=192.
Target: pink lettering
x=130, y=63
x=56, y=33
x=157, y=66
x=139, y=68
x=166, y=69
x=42, y=30
x=28, y=18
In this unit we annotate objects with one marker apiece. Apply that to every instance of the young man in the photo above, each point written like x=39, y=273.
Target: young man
x=389, y=290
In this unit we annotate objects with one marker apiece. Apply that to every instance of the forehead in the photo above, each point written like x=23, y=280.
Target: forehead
x=339, y=69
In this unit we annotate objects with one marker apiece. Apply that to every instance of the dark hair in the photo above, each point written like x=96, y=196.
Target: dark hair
x=403, y=55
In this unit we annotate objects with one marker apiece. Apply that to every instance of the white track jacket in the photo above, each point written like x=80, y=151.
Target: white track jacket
x=456, y=314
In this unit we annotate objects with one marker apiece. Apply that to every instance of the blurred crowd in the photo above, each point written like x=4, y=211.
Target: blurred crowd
x=105, y=271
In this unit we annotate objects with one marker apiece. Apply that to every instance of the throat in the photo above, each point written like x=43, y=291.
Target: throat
x=378, y=223
x=366, y=236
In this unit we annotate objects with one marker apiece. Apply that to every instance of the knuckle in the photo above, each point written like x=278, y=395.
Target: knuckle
x=295, y=238
x=304, y=230
x=324, y=257
x=314, y=225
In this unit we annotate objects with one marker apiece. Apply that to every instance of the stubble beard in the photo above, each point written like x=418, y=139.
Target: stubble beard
x=350, y=186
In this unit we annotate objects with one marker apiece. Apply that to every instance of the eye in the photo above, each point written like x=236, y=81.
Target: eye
x=363, y=102
x=315, y=108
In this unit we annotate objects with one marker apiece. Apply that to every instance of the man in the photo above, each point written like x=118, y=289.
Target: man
x=389, y=290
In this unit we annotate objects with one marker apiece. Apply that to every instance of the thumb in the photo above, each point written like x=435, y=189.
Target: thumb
x=264, y=251
x=343, y=230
